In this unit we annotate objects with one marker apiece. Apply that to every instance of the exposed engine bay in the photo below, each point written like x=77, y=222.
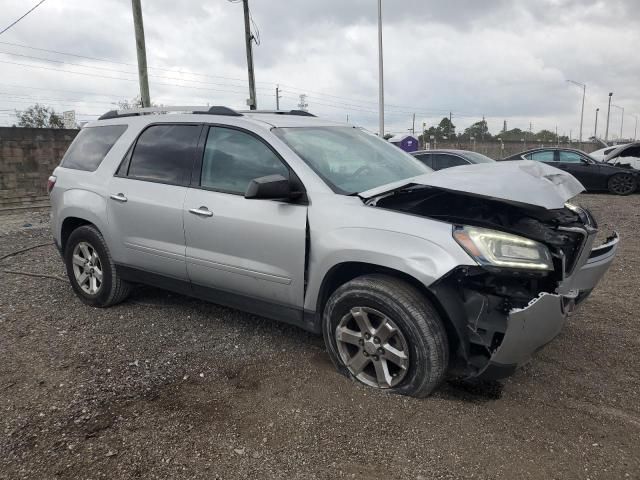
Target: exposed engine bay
x=478, y=300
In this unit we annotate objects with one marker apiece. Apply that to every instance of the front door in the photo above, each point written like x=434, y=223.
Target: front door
x=239, y=246
x=146, y=199
x=586, y=171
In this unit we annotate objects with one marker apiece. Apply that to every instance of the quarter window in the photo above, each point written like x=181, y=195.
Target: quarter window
x=90, y=147
x=165, y=153
x=233, y=158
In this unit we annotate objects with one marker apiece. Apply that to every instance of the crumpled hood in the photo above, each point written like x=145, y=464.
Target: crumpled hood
x=521, y=181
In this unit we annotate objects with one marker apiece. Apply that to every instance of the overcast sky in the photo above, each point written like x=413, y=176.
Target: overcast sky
x=505, y=59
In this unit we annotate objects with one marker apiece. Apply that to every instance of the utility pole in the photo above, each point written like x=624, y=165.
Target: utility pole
x=449, y=129
x=482, y=132
x=557, y=138
x=380, y=74
x=606, y=132
x=141, y=51
x=635, y=133
x=248, y=38
x=595, y=129
x=278, y=97
x=413, y=126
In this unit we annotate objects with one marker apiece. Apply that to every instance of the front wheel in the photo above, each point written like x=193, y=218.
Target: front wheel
x=622, y=184
x=384, y=333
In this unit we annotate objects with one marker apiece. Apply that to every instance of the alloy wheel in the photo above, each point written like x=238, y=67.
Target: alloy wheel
x=622, y=184
x=87, y=268
x=372, y=347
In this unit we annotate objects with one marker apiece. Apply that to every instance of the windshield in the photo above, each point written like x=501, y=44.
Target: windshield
x=350, y=160
x=478, y=157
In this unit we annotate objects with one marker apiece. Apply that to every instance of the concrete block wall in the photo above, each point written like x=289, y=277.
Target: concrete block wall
x=27, y=158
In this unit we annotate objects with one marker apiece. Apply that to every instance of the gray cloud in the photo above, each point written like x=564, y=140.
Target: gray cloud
x=503, y=59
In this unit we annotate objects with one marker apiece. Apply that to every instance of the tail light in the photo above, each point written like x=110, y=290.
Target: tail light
x=51, y=182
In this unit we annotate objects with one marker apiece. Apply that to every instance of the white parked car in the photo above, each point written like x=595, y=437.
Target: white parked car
x=625, y=156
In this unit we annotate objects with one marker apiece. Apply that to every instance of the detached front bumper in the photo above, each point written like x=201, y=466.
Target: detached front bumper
x=529, y=329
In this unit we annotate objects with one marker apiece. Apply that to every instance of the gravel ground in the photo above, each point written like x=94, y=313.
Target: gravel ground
x=164, y=386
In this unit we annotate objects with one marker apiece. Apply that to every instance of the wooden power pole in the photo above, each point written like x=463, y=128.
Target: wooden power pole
x=253, y=103
x=142, y=53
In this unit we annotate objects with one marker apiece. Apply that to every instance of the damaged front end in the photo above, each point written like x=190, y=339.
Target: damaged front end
x=501, y=315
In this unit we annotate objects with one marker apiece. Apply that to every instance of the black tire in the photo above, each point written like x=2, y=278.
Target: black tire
x=414, y=316
x=113, y=289
x=622, y=184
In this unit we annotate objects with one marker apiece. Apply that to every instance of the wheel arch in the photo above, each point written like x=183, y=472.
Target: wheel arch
x=343, y=272
x=69, y=224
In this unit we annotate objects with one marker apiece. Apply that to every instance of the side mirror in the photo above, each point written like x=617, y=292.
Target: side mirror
x=274, y=187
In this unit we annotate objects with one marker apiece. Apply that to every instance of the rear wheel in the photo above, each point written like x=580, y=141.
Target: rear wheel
x=384, y=333
x=622, y=184
x=91, y=269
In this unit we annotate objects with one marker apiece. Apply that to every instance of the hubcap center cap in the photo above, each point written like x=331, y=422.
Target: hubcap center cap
x=370, y=347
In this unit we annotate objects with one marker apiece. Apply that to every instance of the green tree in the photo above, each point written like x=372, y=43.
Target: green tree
x=479, y=130
x=513, y=134
x=135, y=102
x=39, y=116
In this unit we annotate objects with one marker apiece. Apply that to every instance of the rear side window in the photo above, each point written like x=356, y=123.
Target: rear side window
x=447, y=161
x=164, y=154
x=542, y=156
x=90, y=147
x=425, y=158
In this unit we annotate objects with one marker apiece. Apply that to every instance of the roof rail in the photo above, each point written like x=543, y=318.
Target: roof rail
x=301, y=113
x=215, y=110
x=202, y=110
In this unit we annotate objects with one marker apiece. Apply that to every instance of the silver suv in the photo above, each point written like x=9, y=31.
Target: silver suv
x=411, y=275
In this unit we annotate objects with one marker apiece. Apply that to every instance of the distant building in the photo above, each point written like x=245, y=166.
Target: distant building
x=407, y=143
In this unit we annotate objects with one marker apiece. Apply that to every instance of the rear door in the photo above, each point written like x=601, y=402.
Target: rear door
x=238, y=247
x=147, y=198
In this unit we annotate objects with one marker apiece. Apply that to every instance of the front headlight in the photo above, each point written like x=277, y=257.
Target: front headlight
x=499, y=249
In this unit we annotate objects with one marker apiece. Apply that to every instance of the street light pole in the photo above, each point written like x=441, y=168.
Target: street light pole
x=622, y=120
x=606, y=132
x=380, y=74
x=595, y=129
x=584, y=91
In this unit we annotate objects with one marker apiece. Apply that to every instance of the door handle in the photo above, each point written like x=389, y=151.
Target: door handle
x=202, y=211
x=119, y=197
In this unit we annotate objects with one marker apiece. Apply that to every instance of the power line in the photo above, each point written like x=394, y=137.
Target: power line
x=314, y=94
x=119, y=78
x=115, y=62
x=28, y=12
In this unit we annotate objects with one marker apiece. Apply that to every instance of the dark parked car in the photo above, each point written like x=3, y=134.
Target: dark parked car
x=594, y=175
x=439, y=159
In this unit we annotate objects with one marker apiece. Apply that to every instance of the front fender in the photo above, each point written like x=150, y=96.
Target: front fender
x=425, y=260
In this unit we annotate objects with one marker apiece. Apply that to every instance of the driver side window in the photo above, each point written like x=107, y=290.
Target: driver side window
x=570, y=157
x=232, y=158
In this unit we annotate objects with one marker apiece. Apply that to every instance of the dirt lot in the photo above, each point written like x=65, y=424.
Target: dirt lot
x=164, y=386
